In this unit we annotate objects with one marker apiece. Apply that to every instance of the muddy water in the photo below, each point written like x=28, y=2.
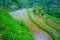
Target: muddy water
x=37, y=33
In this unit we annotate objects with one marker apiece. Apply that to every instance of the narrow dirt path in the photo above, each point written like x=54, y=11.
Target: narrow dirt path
x=37, y=33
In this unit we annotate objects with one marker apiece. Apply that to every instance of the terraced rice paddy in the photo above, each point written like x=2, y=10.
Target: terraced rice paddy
x=37, y=33
x=29, y=19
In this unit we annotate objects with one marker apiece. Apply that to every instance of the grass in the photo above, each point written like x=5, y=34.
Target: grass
x=57, y=20
x=12, y=29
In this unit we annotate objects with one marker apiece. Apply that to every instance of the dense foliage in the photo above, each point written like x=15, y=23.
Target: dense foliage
x=18, y=4
x=12, y=29
x=51, y=10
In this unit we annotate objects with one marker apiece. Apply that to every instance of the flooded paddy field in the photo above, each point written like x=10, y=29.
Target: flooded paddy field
x=37, y=33
x=30, y=20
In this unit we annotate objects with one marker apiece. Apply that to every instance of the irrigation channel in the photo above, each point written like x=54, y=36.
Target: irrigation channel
x=37, y=33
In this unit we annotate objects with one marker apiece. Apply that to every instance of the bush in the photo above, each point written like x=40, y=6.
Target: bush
x=13, y=29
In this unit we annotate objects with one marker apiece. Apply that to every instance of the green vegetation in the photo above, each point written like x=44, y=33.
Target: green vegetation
x=17, y=2
x=43, y=14
x=53, y=26
x=42, y=27
x=39, y=10
x=57, y=20
x=12, y=29
x=10, y=5
x=53, y=11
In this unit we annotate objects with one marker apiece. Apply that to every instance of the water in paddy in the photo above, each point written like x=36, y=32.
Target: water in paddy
x=53, y=23
x=37, y=33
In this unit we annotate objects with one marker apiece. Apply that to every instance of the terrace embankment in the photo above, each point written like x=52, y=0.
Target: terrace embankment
x=37, y=33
